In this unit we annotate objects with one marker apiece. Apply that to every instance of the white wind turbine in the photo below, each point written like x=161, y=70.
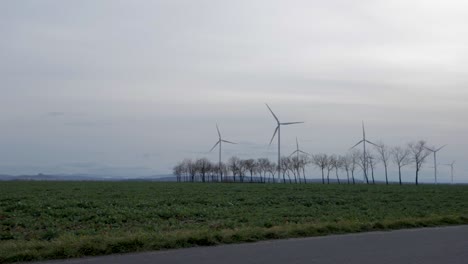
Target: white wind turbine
x=278, y=130
x=451, y=168
x=364, y=141
x=220, y=141
x=434, y=150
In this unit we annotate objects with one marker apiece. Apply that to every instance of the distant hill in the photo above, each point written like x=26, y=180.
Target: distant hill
x=81, y=177
x=153, y=178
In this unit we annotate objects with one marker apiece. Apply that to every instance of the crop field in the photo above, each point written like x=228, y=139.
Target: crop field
x=49, y=220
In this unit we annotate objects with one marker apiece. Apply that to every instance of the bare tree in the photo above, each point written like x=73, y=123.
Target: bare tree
x=337, y=164
x=263, y=164
x=295, y=164
x=234, y=166
x=304, y=160
x=224, y=171
x=191, y=169
x=330, y=166
x=321, y=161
x=203, y=166
x=272, y=169
x=251, y=166
x=419, y=153
x=354, y=160
x=363, y=163
x=346, y=165
x=242, y=169
x=401, y=158
x=372, y=161
x=384, y=155
x=285, y=167
x=178, y=171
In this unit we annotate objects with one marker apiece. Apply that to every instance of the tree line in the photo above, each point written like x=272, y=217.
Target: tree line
x=338, y=168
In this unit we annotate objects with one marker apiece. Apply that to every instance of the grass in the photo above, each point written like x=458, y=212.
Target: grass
x=51, y=220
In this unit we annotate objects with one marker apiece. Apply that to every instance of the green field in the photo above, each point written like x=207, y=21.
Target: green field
x=47, y=220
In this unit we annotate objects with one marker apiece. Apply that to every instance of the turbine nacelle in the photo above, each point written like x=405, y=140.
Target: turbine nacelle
x=434, y=149
x=220, y=140
x=364, y=140
x=297, y=151
x=279, y=123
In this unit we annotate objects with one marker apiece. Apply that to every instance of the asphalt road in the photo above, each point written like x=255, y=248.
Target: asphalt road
x=432, y=245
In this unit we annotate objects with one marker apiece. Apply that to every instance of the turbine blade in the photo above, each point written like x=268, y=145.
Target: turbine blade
x=357, y=144
x=431, y=150
x=228, y=141
x=372, y=143
x=304, y=153
x=277, y=120
x=290, y=123
x=297, y=143
x=274, y=134
x=294, y=152
x=219, y=133
x=215, y=145
x=440, y=148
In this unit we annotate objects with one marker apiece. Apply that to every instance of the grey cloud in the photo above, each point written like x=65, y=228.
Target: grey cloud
x=56, y=114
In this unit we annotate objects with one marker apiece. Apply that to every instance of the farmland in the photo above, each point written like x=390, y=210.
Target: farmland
x=48, y=220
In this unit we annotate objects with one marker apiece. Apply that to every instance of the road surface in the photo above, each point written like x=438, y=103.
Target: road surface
x=431, y=245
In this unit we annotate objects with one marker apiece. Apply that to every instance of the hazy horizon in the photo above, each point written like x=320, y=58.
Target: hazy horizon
x=132, y=87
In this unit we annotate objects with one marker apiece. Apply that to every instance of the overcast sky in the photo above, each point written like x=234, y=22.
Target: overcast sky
x=128, y=88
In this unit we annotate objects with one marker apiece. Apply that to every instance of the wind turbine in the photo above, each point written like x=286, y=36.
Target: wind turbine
x=298, y=151
x=278, y=130
x=451, y=168
x=434, y=150
x=220, y=141
x=364, y=141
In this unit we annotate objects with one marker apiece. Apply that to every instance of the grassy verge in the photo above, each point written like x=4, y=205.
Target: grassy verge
x=53, y=220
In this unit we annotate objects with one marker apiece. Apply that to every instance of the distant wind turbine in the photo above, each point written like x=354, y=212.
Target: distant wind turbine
x=298, y=151
x=278, y=130
x=364, y=141
x=220, y=141
x=451, y=168
x=434, y=150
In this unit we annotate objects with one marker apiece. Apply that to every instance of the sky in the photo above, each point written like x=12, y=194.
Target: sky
x=129, y=88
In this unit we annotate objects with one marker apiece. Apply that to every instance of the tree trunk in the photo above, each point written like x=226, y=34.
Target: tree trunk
x=417, y=174
x=337, y=178
x=303, y=174
x=399, y=174
x=386, y=175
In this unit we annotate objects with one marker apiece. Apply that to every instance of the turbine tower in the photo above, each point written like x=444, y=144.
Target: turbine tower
x=451, y=168
x=434, y=150
x=364, y=141
x=278, y=130
x=220, y=141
